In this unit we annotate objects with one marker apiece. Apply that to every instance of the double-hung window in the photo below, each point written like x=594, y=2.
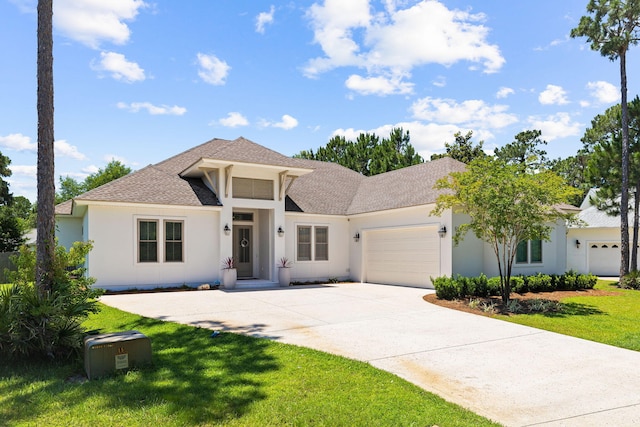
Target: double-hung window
x=173, y=241
x=529, y=252
x=147, y=241
x=313, y=243
x=156, y=237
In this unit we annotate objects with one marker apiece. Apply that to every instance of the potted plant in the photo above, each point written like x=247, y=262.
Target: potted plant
x=229, y=273
x=284, y=272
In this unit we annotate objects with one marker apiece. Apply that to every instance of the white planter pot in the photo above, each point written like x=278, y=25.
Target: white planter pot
x=229, y=278
x=284, y=276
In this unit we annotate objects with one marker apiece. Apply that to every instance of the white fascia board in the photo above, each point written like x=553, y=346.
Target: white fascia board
x=195, y=169
x=148, y=205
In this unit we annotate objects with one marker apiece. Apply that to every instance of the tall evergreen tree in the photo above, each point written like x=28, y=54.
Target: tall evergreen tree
x=462, y=149
x=368, y=154
x=45, y=244
x=611, y=28
x=604, y=140
x=524, y=151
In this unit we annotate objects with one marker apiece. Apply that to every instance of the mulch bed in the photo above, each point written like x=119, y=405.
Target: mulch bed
x=463, y=305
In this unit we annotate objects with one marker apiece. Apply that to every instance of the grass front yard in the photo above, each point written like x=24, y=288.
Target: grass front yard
x=606, y=314
x=612, y=319
x=229, y=380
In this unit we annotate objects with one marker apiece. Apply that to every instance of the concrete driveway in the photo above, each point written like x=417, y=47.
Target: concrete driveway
x=512, y=374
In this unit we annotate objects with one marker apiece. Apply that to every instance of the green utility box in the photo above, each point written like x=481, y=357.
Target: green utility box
x=106, y=353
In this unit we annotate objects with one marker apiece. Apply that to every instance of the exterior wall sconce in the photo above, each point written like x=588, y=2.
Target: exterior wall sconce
x=443, y=231
x=356, y=237
x=227, y=230
x=577, y=243
x=280, y=231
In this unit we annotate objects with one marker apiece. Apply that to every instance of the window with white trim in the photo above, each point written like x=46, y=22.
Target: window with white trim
x=312, y=243
x=173, y=241
x=529, y=252
x=147, y=241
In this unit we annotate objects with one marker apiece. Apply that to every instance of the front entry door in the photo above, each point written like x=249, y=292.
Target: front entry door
x=243, y=250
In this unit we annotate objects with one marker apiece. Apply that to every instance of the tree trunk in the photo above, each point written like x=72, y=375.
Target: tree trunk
x=45, y=242
x=624, y=196
x=636, y=226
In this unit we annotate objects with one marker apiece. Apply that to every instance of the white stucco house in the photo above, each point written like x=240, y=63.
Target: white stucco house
x=594, y=245
x=172, y=223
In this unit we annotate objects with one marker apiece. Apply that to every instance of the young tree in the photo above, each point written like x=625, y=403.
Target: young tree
x=45, y=244
x=611, y=30
x=506, y=205
x=462, y=149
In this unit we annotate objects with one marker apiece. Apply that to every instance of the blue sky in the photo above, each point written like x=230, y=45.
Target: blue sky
x=140, y=81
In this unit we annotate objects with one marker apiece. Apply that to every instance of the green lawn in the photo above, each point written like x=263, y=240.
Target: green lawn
x=613, y=320
x=230, y=380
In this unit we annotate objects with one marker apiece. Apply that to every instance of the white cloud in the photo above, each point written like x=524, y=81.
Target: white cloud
x=350, y=33
x=93, y=22
x=120, y=69
x=88, y=170
x=18, y=142
x=62, y=148
x=263, y=19
x=212, y=70
x=378, y=85
x=154, y=110
x=604, y=92
x=24, y=170
x=559, y=125
x=553, y=95
x=473, y=113
x=503, y=92
x=234, y=119
x=287, y=122
x=440, y=81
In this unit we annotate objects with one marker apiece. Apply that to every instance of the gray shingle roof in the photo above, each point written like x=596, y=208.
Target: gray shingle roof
x=405, y=187
x=149, y=185
x=330, y=189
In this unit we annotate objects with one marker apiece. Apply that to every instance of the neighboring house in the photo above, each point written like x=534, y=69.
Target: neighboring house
x=594, y=245
x=173, y=222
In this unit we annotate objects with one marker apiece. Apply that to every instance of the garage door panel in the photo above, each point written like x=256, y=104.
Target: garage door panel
x=604, y=258
x=408, y=256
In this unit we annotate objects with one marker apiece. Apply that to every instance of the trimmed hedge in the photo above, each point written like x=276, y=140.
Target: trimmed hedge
x=459, y=287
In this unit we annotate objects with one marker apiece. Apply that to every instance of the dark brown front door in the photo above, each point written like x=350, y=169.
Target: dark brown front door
x=243, y=250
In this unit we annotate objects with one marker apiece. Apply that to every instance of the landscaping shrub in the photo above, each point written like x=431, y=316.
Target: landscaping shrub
x=459, y=287
x=567, y=281
x=465, y=286
x=481, y=285
x=494, y=286
x=540, y=283
x=49, y=324
x=585, y=281
x=631, y=281
x=445, y=287
x=518, y=285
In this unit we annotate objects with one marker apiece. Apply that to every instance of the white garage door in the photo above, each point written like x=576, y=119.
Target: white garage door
x=604, y=258
x=407, y=256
